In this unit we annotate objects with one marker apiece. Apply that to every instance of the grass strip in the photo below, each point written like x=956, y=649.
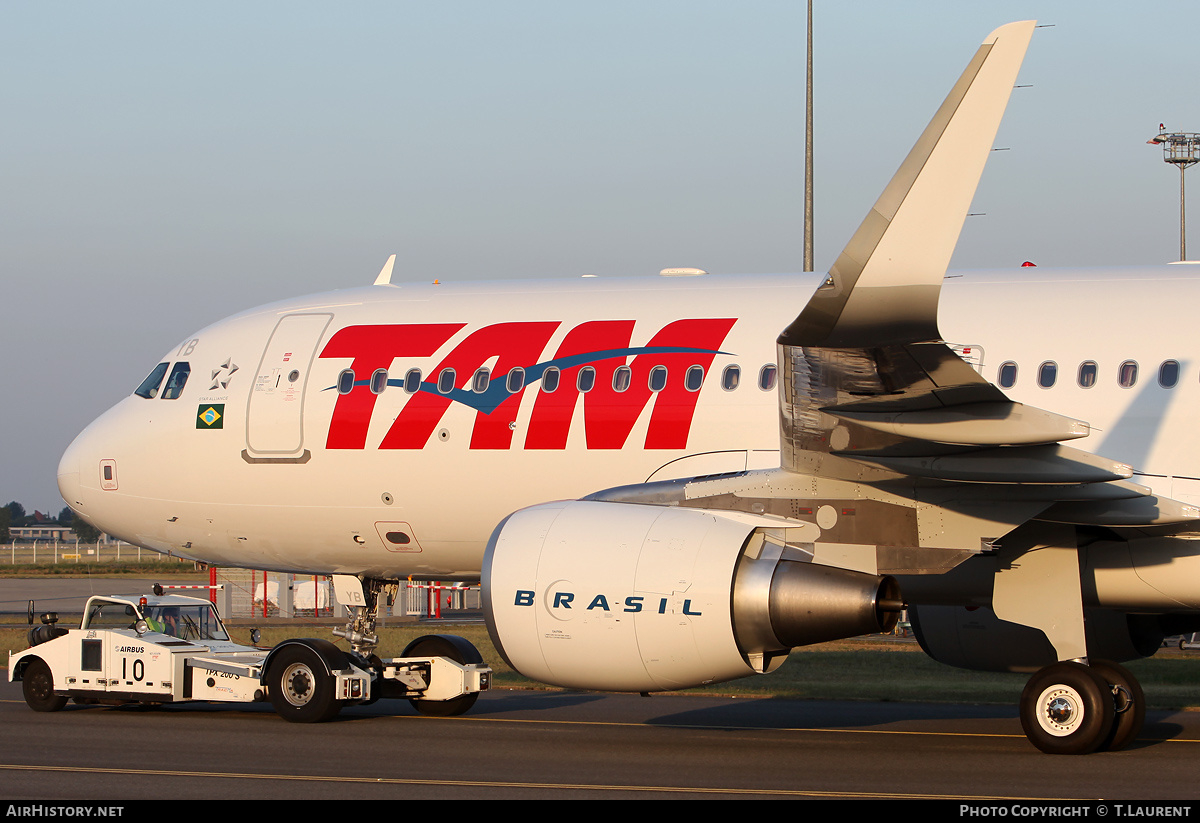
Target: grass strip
x=857, y=669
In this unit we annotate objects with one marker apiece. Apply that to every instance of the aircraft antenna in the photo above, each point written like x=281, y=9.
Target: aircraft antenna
x=385, y=274
x=1181, y=150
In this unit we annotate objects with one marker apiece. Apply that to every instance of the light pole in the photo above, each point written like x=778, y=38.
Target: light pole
x=808, y=150
x=1181, y=150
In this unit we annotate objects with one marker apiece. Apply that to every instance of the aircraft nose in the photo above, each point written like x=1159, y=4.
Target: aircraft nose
x=87, y=471
x=68, y=475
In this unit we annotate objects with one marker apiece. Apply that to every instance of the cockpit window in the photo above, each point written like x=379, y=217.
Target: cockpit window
x=106, y=614
x=149, y=387
x=176, y=381
x=186, y=622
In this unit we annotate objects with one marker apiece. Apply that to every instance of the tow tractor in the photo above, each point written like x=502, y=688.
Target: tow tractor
x=171, y=648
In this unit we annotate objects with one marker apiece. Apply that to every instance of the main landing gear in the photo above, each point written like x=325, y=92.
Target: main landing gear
x=1070, y=708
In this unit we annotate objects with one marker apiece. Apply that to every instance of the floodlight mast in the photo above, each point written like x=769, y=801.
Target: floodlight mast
x=1181, y=150
x=808, y=148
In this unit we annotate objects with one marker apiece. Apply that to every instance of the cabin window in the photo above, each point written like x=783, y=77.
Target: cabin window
x=412, y=381
x=345, y=381
x=1087, y=374
x=586, y=379
x=481, y=381
x=658, y=378
x=731, y=377
x=694, y=378
x=515, y=381
x=379, y=381
x=622, y=377
x=445, y=383
x=1168, y=374
x=176, y=381
x=1008, y=375
x=1127, y=374
x=550, y=379
x=767, y=376
x=149, y=387
x=1047, y=374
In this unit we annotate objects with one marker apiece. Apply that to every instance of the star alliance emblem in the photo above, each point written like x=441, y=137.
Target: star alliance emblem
x=221, y=376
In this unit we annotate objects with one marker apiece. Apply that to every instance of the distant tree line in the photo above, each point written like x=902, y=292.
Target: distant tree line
x=13, y=514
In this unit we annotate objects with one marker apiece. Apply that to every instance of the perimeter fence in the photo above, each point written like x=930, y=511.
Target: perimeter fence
x=76, y=551
x=246, y=594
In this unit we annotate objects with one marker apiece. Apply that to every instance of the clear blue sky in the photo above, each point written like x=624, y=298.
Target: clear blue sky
x=167, y=164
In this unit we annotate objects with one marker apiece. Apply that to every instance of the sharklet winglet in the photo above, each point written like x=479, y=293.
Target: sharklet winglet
x=884, y=287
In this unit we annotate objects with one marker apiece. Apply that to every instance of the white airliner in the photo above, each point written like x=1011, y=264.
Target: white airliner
x=724, y=496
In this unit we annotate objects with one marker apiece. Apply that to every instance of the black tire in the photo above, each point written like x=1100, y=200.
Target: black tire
x=300, y=688
x=458, y=650
x=37, y=683
x=1129, y=704
x=1067, y=708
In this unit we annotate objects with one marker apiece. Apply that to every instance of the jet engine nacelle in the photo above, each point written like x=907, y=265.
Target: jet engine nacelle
x=629, y=597
x=974, y=638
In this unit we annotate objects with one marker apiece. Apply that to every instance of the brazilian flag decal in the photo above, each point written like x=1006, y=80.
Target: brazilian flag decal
x=210, y=416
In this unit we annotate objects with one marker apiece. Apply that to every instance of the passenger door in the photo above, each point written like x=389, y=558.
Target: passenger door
x=275, y=414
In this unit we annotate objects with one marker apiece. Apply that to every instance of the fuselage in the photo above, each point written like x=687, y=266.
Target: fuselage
x=357, y=431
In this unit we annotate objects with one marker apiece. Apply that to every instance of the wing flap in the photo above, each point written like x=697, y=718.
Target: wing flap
x=1137, y=512
x=978, y=424
x=1019, y=464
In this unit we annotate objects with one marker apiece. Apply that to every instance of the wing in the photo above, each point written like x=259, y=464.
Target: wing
x=905, y=456
x=867, y=377
x=897, y=458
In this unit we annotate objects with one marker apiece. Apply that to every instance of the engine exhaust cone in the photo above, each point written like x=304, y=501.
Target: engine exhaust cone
x=811, y=603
